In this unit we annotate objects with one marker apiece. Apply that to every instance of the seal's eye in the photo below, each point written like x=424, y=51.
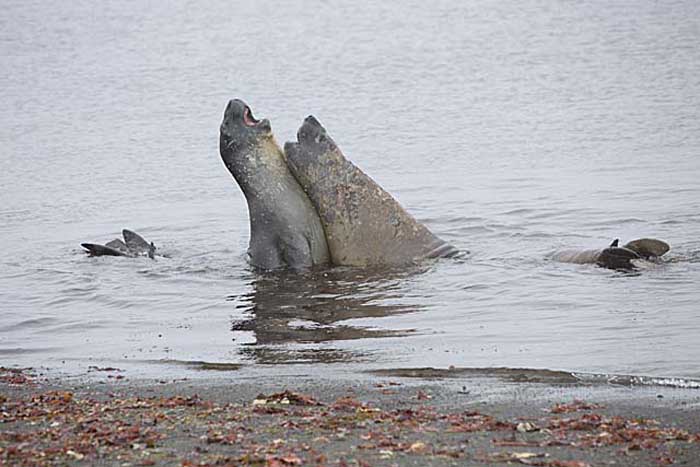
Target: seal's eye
x=248, y=118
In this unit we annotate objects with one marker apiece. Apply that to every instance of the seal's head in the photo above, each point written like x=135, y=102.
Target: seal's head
x=615, y=257
x=240, y=132
x=312, y=133
x=648, y=247
x=313, y=143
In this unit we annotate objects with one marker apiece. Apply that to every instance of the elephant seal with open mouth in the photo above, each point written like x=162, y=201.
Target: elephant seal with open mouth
x=285, y=230
x=615, y=256
x=365, y=225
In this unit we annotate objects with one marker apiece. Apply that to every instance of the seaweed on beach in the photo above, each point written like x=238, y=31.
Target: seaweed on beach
x=288, y=428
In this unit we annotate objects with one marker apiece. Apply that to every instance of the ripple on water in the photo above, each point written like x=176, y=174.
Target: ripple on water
x=32, y=323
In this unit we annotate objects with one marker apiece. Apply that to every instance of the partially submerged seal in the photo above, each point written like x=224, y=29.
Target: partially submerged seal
x=285, y=230
x=132, y=246
x=615, y=256
x=364, y=225
x=648, y=247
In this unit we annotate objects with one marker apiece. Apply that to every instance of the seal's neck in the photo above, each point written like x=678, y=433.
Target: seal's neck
x=263, y=172
x=273, y=195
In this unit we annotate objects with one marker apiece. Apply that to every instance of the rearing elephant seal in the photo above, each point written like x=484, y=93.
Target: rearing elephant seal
x=285, y=230
x=365, y=225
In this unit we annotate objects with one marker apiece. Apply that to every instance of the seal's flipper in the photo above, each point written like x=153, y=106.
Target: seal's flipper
x=117, y=244
x=648, y=247
x=617, y=258
x=101, y=250
x=615, y=242
x=152, y=250
x=135, y=242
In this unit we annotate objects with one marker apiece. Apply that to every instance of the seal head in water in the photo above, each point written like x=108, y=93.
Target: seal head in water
x=285, y=230
x=132, y=246
x=365, y=225
x=615, y=256
x=648, y=247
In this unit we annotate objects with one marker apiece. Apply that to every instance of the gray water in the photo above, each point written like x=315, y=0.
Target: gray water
x=510, y=128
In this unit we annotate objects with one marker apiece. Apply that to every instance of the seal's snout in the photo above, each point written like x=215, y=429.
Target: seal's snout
x=229, y=106
x=234, y=109
x=238, y=117
x=311, y=131
x=311, y=120
x=232, y=114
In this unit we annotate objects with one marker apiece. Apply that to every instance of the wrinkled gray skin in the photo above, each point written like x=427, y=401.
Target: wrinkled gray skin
x=132, y=246
x=616, y=257
x=365, y=225
x=285, y=231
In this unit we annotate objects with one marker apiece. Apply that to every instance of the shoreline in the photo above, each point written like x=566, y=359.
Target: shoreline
x=372, y=420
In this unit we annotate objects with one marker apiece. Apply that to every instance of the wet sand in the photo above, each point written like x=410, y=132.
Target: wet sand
x=111, y=419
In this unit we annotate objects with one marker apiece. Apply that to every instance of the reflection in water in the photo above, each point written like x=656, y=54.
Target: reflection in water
x=290, y=307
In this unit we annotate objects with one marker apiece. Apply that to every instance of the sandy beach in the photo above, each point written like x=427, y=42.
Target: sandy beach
x=110, y=419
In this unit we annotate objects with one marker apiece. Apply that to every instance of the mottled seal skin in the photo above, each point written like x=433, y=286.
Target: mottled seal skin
x=285, y=230
x=615, y=256
x=136, y=243
x=365, y=225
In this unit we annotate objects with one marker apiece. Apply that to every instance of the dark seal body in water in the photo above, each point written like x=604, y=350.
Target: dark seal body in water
x=132, y=246
x=285, y=230
x=364, y=225
x=615, y=256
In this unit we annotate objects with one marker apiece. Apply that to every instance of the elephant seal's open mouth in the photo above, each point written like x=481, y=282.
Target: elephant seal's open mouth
x=239, y=124
x=248, y=119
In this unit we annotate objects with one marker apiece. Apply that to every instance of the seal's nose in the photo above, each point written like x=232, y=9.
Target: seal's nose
x=310, y=130
x=311, y=120
x=230, y=108
x=235, y=107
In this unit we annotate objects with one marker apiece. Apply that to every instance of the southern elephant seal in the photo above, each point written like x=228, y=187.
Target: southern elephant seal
x=648, y=247
x=615, y=256
x=285, y=230
x=365, y=225
x=132, y=246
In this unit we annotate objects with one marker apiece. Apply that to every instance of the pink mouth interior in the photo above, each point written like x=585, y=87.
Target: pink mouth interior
x=248, y=118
